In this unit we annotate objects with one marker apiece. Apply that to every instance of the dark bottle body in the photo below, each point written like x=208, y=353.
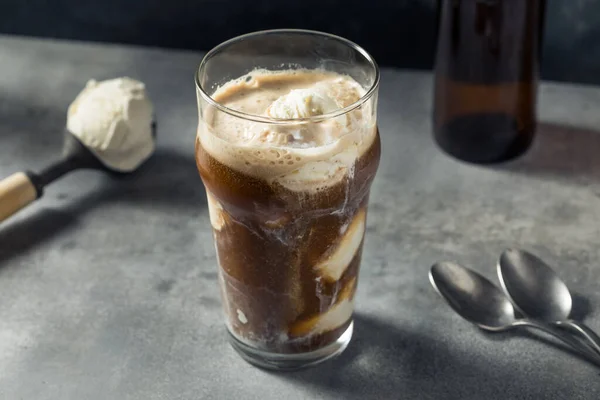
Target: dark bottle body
x=486, y=77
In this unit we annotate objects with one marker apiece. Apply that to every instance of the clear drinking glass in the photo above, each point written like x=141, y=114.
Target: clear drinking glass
x=288, y=219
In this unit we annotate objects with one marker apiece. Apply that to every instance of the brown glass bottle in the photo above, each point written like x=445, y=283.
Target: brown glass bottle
x=486, y=77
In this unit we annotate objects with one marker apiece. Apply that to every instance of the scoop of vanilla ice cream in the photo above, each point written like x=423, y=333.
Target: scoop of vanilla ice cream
x=302, y=103
x=113, y=119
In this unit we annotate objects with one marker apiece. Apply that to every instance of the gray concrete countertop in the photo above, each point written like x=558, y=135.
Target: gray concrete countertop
x=108, y=286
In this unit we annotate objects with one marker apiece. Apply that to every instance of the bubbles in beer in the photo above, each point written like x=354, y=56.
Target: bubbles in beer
x=285, y=192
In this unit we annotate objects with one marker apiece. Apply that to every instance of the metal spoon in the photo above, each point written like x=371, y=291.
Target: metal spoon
x=480, y=302
x=22, y=188
x=538, y=292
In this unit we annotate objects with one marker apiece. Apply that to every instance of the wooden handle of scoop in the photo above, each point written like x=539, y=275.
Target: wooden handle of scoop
x=16, y=192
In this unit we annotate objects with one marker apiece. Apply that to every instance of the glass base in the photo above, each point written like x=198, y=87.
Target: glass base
x=291, y=362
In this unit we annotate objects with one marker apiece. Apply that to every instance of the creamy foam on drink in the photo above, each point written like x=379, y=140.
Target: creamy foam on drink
x=290, y=150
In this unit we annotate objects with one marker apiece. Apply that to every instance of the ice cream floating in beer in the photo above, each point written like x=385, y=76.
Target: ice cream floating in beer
x=287, y=157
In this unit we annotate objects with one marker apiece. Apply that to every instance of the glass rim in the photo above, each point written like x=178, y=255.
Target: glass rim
x=290, y=121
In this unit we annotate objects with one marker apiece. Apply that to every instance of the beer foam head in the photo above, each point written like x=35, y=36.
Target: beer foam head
x=286, y=145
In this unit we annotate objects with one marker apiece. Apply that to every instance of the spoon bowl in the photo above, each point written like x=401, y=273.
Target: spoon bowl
x=538, y=292
x=534, y=287
x=472, y=296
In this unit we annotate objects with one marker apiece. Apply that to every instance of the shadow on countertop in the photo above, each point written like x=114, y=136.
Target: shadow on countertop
x=582, y=307
x=561, y=152
x=384, y=362
x=168, y=180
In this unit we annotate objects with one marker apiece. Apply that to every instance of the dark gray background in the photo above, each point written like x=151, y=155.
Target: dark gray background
x=397, y=32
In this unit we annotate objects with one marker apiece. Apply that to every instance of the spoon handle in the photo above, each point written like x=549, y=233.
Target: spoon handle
x=564, y=337
x=16, y=191
x=581, y=329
